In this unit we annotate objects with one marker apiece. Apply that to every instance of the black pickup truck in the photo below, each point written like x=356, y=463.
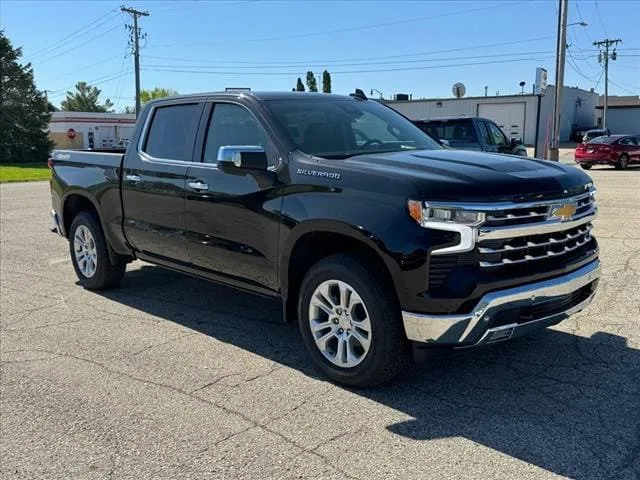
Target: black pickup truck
x=377, y=239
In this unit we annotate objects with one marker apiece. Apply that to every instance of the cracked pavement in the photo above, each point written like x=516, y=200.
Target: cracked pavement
x=173, y=377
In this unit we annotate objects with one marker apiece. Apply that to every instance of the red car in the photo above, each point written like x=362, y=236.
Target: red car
x=617, y=150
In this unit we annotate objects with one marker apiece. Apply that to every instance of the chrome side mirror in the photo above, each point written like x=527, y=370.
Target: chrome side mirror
x=251, y=157
x=444, y=143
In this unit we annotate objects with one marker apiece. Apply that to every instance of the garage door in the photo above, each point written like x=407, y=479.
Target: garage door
x=508, y=116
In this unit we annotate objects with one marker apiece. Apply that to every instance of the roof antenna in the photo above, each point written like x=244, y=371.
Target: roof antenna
x=359, y=94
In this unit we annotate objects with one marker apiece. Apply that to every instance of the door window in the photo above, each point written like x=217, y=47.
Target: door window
x=496, y=135
x=628, y=141
x=460, y=131
x=484, y=133
x=232, y=125
x=172, y=132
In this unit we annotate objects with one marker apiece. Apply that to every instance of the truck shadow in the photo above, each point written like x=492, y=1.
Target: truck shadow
x=565, y=403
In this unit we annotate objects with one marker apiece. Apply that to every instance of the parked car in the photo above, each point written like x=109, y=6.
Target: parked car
x=617, y=150
x=577, y=133
x=471, y=133
x=595, y=133
x=375, y=247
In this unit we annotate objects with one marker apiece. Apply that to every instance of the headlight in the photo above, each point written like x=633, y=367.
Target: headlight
x=464, y=222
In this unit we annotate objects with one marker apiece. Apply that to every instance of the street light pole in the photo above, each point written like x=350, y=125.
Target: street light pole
x=561, y=48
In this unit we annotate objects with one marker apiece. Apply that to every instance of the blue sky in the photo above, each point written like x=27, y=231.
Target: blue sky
x=420, y=47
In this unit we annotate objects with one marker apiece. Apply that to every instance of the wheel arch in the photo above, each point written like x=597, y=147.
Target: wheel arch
x=311, y=241
x=77, y=201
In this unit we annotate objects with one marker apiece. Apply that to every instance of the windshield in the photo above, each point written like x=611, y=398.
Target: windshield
x=604, y=139
x=341, y=127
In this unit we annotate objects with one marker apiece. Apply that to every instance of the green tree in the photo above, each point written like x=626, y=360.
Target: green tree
x=129, y=109
x=326, y=82
x=312, y=85
x=85, y=98
x=147, y=95
x=24, y=116
x=299, y=85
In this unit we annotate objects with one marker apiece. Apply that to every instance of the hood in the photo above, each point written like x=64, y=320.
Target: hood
x=459, y=175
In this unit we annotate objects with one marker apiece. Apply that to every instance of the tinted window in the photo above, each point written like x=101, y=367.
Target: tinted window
x=628, y=141
x=341, y=127
x=497, y=137
x=484, y=133
x=453, y=130
x=172, y=132
x=232, y=125
x=604, y=139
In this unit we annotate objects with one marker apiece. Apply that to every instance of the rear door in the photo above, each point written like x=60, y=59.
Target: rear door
x=232, y=214
x=154, y=180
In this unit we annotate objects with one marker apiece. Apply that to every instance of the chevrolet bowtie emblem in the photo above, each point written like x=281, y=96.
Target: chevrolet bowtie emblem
x=564, y=212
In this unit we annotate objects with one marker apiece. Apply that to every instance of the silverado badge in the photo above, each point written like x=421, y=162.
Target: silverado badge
x=564, y=212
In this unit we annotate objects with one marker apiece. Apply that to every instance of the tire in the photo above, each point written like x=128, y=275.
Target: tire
x=86, y=231
x=388, y=350
x=623, y=162
x=586, y=166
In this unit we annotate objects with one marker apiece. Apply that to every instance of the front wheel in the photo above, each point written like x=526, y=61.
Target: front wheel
x=585, y=166
x=623, y=162
x=350, y=322
x=90, y=256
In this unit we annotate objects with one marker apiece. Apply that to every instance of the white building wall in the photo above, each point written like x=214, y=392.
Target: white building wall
x=107, y=128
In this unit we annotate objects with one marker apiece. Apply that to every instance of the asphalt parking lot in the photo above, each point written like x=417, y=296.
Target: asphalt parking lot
x=172, y=377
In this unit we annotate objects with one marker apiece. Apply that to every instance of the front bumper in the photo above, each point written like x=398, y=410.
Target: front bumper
x=478, y=327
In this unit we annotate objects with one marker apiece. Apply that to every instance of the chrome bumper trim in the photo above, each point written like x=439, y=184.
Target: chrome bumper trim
x=472, y=328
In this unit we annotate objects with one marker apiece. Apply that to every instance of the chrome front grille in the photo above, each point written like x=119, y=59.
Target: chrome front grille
x=514, y=215
x=510, y=251
x=528, y=233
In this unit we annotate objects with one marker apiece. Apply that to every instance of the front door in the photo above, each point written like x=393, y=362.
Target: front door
x=231, y=214
x=154, y=180
x=496, y=140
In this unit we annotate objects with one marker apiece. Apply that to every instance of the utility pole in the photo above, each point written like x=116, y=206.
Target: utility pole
x=135, y=32
x=606, y=43
x=561, y=49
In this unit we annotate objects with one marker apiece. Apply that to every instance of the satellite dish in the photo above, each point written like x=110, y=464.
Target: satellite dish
x=459, y=90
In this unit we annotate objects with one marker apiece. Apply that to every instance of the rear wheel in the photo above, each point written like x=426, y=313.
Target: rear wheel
x=586, y=166
x=90, y=255
x=623, y=161
x=350, y=322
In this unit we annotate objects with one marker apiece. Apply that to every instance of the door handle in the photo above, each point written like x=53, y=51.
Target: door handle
x=133, y=178
x=198, y=186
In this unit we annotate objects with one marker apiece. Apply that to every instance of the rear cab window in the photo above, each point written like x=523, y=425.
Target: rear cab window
x=171, y=133
x=460, y=131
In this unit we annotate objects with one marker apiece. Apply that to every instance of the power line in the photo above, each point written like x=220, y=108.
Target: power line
x=600, y=18
x=84, y=68
x=325, y=65
x=93, y=82
x=402, y=69
x=344, y=30
x=84, y=42
x=336, y=61
x=624, y=89
x=90, y=27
